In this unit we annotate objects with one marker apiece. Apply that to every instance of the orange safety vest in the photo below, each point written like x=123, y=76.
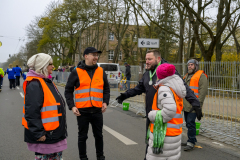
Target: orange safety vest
x=90, y=91
x=194, y=81
x=174, y=126
x=49, y=110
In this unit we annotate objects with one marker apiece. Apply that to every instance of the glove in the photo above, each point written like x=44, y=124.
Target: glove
x=198, y=111
x=121, y=98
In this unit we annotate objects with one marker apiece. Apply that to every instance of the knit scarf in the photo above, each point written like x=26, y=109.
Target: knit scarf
x=159, y=133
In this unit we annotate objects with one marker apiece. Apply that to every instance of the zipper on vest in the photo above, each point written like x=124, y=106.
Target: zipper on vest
x=90, y=91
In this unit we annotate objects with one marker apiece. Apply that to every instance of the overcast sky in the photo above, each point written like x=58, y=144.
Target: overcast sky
x=15, y=15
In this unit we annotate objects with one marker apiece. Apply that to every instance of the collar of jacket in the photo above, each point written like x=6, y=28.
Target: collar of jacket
x=83, y=65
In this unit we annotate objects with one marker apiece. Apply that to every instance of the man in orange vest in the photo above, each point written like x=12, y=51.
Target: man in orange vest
x=197, y=80
x=92, y=96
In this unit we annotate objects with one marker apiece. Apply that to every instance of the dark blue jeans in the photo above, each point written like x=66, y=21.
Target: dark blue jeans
x=1, y=80
x=128, y=82
x=191, y=126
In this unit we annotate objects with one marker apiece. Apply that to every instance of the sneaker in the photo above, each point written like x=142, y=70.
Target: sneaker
x=184, y=144
x=189, y=146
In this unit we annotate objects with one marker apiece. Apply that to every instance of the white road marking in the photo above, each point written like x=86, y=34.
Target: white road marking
x=18, y=88
x=21, y=94
x=119, y=136
x=218, y=143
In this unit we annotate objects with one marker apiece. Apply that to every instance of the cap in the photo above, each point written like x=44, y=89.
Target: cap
x=91, y=50
x=125, y=63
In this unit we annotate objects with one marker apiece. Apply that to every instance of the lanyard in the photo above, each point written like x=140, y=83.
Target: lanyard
x=150, y=72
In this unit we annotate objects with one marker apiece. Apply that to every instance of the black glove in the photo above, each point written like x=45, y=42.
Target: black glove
x=198, y=111
x=121, y=98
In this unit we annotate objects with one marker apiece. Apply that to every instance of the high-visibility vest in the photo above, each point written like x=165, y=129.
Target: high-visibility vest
x=174, y=126
x=90, y=91
x=49, y=110
x=194, y=81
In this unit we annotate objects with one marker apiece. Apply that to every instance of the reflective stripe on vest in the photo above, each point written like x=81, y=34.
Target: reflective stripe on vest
x=49, y=110
x=174, y=126
x=170, y=125
x=194, y=82
x=90, y=91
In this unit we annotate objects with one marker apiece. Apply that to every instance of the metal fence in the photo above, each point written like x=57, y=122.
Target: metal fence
x=221, y=75
x=221, y=107
x=136, y=73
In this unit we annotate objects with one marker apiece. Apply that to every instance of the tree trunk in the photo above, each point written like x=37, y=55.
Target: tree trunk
x=219, y=24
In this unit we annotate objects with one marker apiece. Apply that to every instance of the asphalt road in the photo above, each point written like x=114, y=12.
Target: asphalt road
x=124, y=134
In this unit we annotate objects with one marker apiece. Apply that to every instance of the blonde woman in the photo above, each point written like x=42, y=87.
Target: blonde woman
x=44, y=112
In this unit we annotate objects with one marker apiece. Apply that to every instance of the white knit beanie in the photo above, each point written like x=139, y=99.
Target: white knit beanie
x=38, y=61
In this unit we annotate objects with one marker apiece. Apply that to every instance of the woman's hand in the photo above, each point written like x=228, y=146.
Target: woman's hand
x=43, y=138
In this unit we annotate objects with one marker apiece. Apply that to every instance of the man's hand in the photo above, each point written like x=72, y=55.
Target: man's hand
x=104, y=107
x=198, y=111
x=43, y=138
x=76, y=111
x=121, y=98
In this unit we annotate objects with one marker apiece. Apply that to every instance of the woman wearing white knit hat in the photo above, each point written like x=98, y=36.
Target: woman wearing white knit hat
x=44, y=112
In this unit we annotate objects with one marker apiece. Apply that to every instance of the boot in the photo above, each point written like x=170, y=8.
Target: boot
x=101, y=158
x=189, y=146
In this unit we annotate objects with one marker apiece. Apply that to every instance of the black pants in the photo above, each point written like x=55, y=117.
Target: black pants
x=96, y=120
x=17, y=80
x=12, y=83
x=1, y=80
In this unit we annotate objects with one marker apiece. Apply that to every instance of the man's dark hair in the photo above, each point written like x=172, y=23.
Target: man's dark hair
x=155, y=52
x=16, y=65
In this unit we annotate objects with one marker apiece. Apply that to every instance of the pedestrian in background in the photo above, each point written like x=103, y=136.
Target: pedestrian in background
x=197, y=80
x=67, y=69
x=18, y=73
x=128, y=74
x=72, y=68
x=1, y=78
x=44, y=112
x=11, y=76
x=24, y=75
x=59, y=69
x=167, y=103
x=92, y=96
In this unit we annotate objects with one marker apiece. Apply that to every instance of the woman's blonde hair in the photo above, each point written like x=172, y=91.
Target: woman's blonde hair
x=44, y=71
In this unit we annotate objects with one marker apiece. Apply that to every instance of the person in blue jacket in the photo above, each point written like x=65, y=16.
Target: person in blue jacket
x=11, y=76
x=24, y=74
x=18, y=73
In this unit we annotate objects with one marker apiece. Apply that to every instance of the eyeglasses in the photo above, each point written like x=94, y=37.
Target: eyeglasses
x=94, y=55
x=50, y=64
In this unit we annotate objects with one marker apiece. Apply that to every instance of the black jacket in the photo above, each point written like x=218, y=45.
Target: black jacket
x=74, y=82
x=128, y=71
x=144, y=87
x=33, y=103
